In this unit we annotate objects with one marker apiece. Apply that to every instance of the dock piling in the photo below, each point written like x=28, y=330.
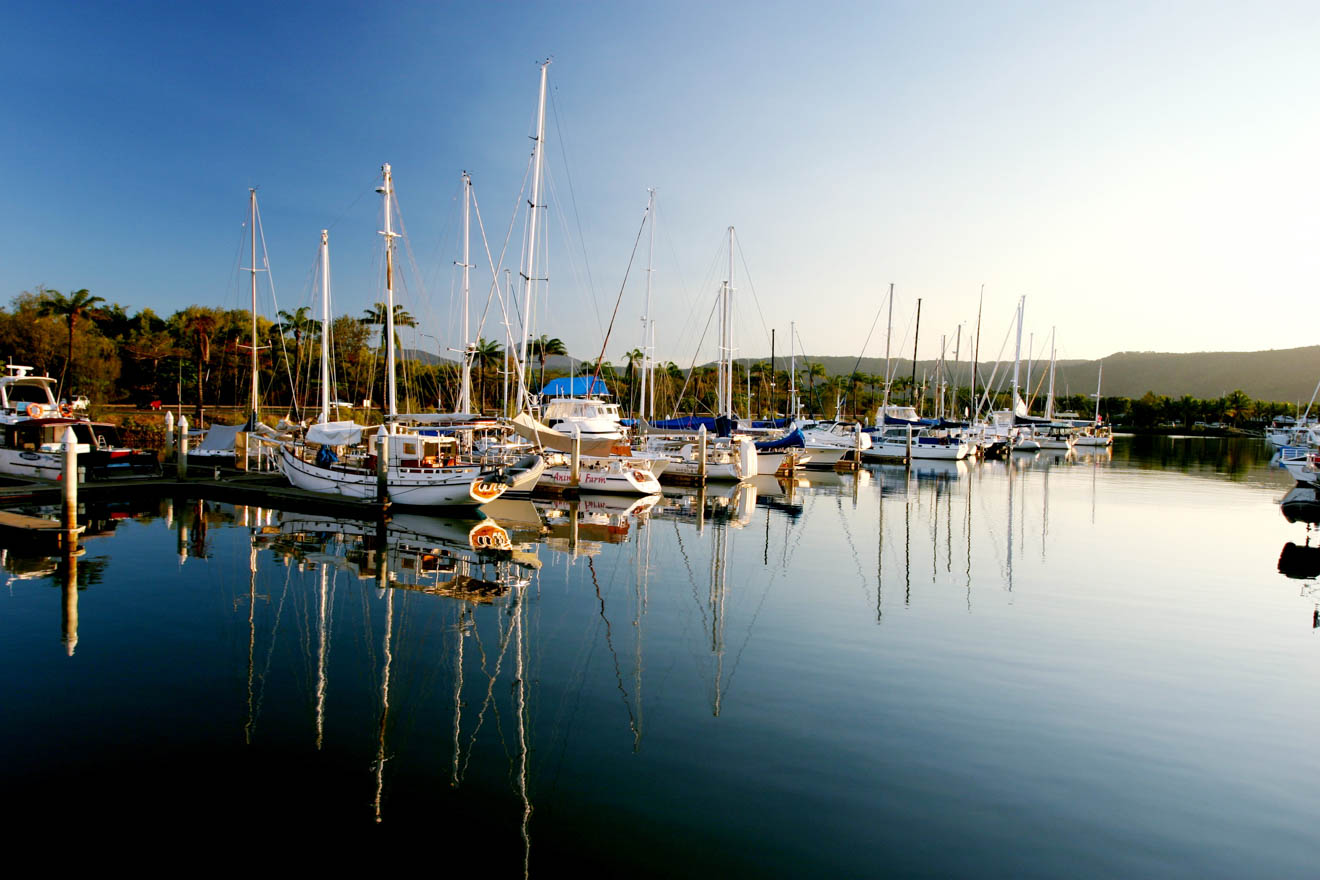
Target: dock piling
x=701, y=455
x=169, y=435
x=382, y=466
x=70, y=487
x=575, y=467
x=181, y=461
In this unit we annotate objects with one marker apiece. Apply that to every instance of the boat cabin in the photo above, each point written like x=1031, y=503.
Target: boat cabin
x=422, y=451
x=577, y=409
x=20, y=391
x=47, y=435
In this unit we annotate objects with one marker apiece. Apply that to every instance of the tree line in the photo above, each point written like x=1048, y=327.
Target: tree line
x=201, y=356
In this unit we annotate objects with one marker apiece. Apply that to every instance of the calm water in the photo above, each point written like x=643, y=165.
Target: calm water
x=1049, y=668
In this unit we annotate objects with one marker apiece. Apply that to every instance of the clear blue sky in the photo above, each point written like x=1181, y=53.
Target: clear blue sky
x=1145, y=173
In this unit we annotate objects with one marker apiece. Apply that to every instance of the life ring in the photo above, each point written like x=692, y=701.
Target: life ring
x=33, y=410
x=66, y=410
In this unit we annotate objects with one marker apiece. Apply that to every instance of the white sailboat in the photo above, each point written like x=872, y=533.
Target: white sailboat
x=1097, y=435
x=420, y=471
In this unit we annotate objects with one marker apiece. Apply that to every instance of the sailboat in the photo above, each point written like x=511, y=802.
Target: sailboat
x=420, y=470
x=1098, y=435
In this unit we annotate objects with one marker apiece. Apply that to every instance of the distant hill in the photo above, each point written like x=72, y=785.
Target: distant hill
x=1279, y=374
x=1288, y=374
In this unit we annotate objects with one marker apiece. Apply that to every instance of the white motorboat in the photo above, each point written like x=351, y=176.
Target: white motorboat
x=35, y=448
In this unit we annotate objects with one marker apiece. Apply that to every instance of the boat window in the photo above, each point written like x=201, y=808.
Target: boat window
x=21, y=394
x=410, y=449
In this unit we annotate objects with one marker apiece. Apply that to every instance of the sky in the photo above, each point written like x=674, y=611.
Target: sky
x=1145, y=174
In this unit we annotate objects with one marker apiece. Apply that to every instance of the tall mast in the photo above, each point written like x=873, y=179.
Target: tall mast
x=976, y=355
x=465, y=387
x=792, y=370
x=915, y=336
x=533, y=216
x=1031, y=355
x=1049, y=399
x=889, y=331
x=957, y=362
x=728, y=324
x=646, y=316
x=1017, y=354
x=391, y=395
x=1098, y=377
x=325, y=326
x=252, y=409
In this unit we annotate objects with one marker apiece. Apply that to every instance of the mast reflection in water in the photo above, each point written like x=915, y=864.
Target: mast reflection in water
x=835, y=673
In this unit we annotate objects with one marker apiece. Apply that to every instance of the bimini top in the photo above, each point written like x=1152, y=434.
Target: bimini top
x=575, y=386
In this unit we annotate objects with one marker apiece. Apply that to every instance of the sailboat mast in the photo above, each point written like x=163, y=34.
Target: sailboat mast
x=957, y=362
x=792, y=370
x=325, y=326
x=976, y=355
x=646, y=316
x=391, y=395
x=533, y=216
x=465, y=386
x=728, y=322
x=915, y=336
x=726, y=339
x=1031, y=355
x=252, y=409
x=1098, y=377
x=1017, y=354
x=1049, y=399
x=889, y=332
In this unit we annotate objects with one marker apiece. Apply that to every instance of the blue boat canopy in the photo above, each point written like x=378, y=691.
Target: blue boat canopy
x=575, y=386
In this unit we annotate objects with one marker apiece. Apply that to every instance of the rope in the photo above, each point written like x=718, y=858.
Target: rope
x=600, y=360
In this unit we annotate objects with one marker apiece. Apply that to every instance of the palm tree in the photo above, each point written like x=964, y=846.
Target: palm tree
x=632, y=358
x=814, y=370
x=376, y=315
x=1237, y=406
x=297, y=322
x=200, y=324
x=76, y=305
x=544, y=347
x=485, y=352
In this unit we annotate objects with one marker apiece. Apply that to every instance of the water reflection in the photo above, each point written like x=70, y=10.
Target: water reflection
x=640, y=671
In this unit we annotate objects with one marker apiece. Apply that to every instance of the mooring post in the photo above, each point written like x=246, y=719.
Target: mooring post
x=69, y=618
x=701, y=455
x=169, y=435
x=70, y=521
x=575, y=466
x=382, y=466
x=181, y=461
x=857, y=445
x=909, y=447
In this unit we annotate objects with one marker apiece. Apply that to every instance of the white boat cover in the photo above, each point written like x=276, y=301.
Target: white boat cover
x=219, y=439
x=549, y=438
x=336, y=433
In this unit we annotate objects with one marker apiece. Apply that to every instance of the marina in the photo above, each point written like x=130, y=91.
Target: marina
x=835, y=672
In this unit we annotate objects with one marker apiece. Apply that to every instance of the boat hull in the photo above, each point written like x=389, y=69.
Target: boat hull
x=411, y=487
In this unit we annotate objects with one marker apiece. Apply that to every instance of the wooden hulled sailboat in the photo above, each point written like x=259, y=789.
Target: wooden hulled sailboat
x=420, y=470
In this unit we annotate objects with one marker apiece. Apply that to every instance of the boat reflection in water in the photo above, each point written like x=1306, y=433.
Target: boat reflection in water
x=472, y=562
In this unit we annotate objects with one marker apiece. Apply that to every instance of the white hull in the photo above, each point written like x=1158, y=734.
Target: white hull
x=43, y=465
x=609, y=476
x=768, y=463
x=413, y=487
x=727, y=472
x=924, y=451
x=826, y=457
